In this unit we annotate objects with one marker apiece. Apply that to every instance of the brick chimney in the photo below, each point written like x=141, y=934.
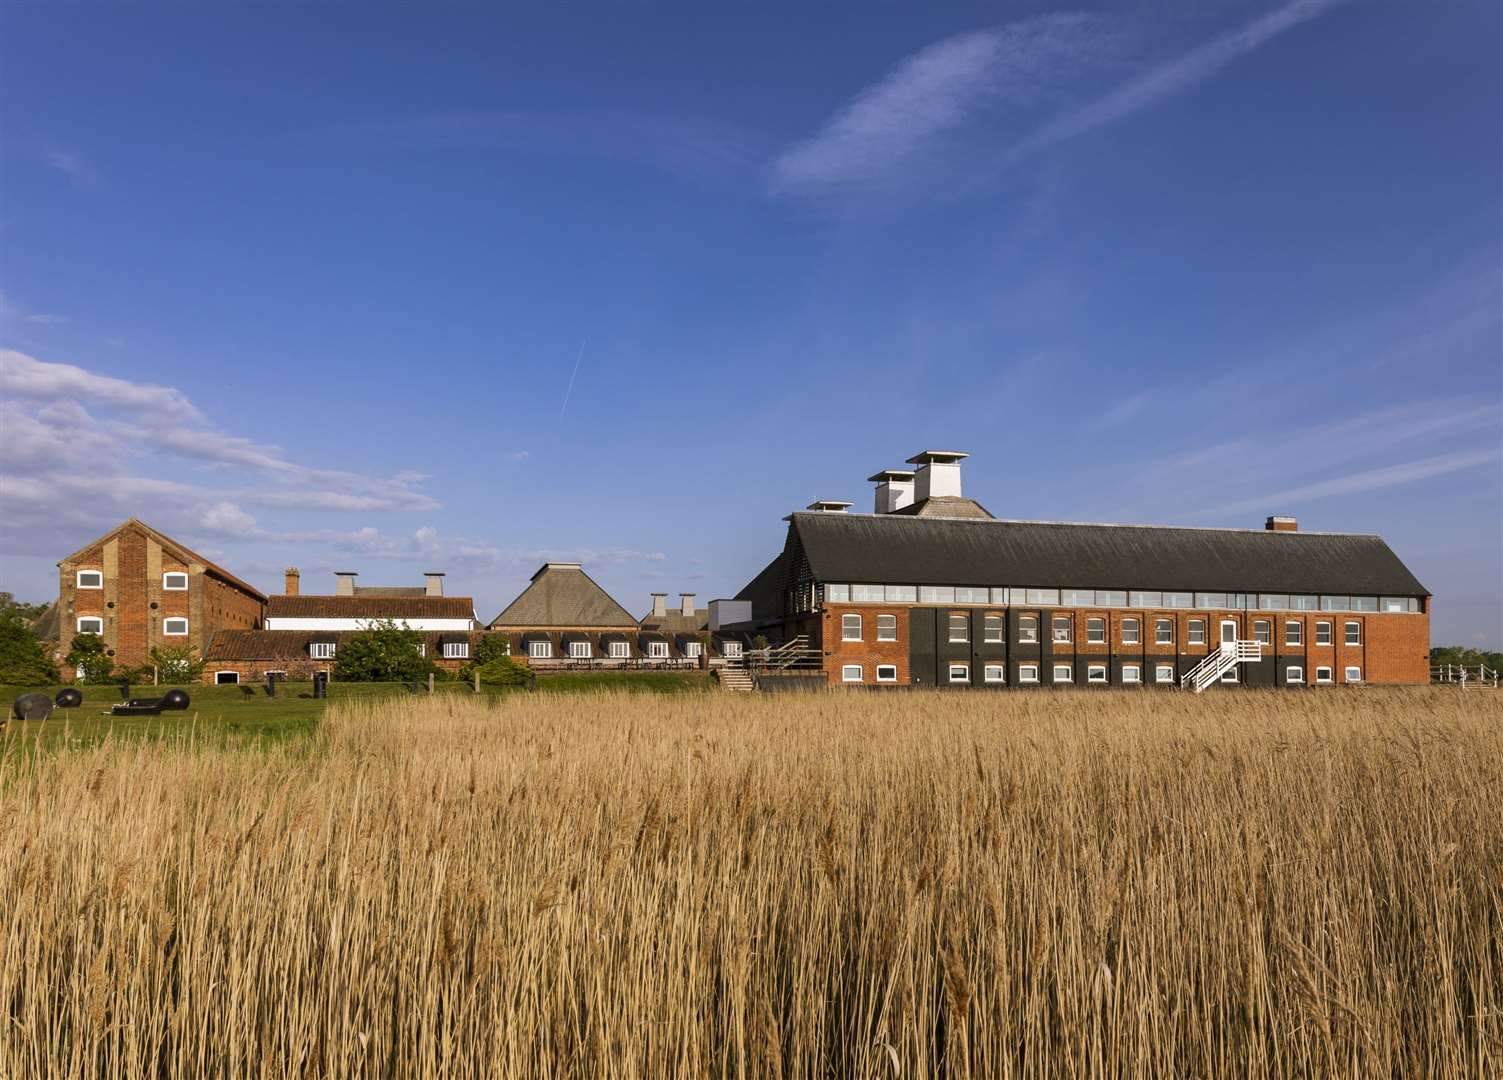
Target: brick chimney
x=686, y=604
x=433, y=582
x=344, y=582
x=659, y=604
x=1281, y=524
x=293, y=578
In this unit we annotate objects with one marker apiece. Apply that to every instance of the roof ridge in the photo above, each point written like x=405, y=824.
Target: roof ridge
x=1086, y=524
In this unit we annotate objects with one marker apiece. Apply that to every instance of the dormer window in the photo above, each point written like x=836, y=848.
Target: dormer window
x=91, y=579
x=321, y=650
x=175, y=581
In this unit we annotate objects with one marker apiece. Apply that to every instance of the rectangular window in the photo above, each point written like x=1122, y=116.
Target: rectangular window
x=1078, y=597
x=868, y=594
x=1110, y=598
x=1163, y=631
x=937, y=594
x=579, y=650
x=1335, y=603
x=1400, y=603
x=900, y=594
x=1364, y=603
x=1303, y=603
x=91, y=579
x=1043, y=596
x=1322, y=633
x=1130, y=634
x=90, y=624
x=851, y=673
x=1064, y=673
x=1096, y=673
x=1028, y=629
x=999, y=596
x=1354, y=633
x=456, y=650
x=1353, y=674
x=1028, y=673
x=1322, y=674
x=1262, y=631
x=850, y=628
x=1211, y=600
x=1273, y=601
x=1146, y=599
x=1131, y=674
x=1197, y=631
x=1293, y=632
x=226, y=678
x=991, y=629
x=175, y=581
x=620, y=650
x=1179, y=599
x=727, y=648
x=1294, y=675
x=321, y=650
x=693, y=649
x=960, y=673
x=1229, y=675
x=540, y=650
x=994, y=673
x=887, y=628
x=1062, y=628
x=837, y=594
x=657, y=650
x=174, y=627
x=1163, y=673
x=960, y=627
x=1095, y=631
x=968, y=595
x=887, y=673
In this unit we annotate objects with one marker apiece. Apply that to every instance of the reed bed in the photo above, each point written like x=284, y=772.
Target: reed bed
x=836, y=885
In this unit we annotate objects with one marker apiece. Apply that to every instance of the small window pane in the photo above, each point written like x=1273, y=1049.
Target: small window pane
x=1322, y=633
x=174, y=581
x=1273, y=601
x=1064, y=673
x=1163, y=631
x=887, y=673
x=970, y=595
x=1028, y=628
x=91, y=579
x=1353, y=674
x=994, y=673
x=900, y=594
x=1179, y=600
x=1364, y=603
x=1335, y=603
x=89, y=624
x=1293, y=632
x=1028, y=673
x=1131, y=673
x=1078, y=597
x=999, y=596
x=1062, y=628
x=174, y=627
x=850, y=628
x=1164, y=673
x=1303, y=603
x=1147, y=599
x=1322, y=674
x=1197, y=632
x=960, y=627
x=1263, y=631
x=1043, y=596
x=992, y=626
x=1129, y=631
x=1096, y=631
x=959, y=673
x=1353, y=633
x=851, y=673
x=937, y=594
x=867, y=594
x=1212, y=600
x=1110, y=598
x=1294, y=675
x=837, y=594
x=1017, y=596
x=887, y=628
x=1096, y=673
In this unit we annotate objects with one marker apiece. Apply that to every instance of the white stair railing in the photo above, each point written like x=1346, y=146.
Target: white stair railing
x=1221, y=661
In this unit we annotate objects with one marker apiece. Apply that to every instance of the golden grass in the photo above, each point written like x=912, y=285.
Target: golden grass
x=1077, y=884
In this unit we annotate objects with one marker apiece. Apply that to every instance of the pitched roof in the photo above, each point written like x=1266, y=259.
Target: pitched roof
x=370, y=607
x=391, y=590
x=946, y=506
x=562, y=594
x=676, y=622
x=183, y=552
x=293, y=644
x=766, y=590
x=880, y=548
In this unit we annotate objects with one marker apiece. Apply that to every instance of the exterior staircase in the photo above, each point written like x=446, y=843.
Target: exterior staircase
x=1219, y=662
x=1477, y=677
x=735, y=679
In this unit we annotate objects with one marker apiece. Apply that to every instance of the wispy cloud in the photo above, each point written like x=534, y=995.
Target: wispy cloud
x=1387, y=476
x=23, y=376
x=42, y=318
x=1174, y=77
x=934, y=91
x=72, y=163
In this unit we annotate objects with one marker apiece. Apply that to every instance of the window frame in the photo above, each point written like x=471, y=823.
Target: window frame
x=169, y=620
x=220, y=680
x=1351, y=632
x=1158, y=674
x=887, y=678
x=1196, y=632
x=657, y=650
x=847, y=621
x=1294, y=632
x=1346, y=674
x=1330, y=676
x=580, y=650
x=1163, y=631
x=620, y=650
x=1056, y=624
x=1132, y=631
x=78, y=580
x=845, y=673
x=1325, y=629
x=540, y=650
x=1095, y=630
x=1024, y=677
x=1028, y=629
x=322, y=650
x=1262, y=631
x=693, y=650
x=175, y=574
x=1132, y=674
x=964, y=621
x=1294, y=675
x=952, y=667
x=1068, y=669
x=78, y=625
x=456, y=650
x=986, y=673
x=887, y=627
x=1097, y=674
x=993, y=628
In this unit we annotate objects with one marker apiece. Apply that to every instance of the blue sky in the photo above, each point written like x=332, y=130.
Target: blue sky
x=308, y=283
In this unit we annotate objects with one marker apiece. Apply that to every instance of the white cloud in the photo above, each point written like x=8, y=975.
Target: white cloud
x=227, y=518
x=41, y=318
x=27, y=377
x=934, y=91
x=1386, y=476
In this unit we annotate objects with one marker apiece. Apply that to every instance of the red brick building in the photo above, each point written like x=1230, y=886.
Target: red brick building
x=139, y=589
x=931, y=590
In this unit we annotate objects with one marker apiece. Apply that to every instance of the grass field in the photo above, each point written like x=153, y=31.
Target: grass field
x=1054, y=884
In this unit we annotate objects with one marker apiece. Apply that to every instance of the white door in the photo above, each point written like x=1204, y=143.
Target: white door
x=1228, y=631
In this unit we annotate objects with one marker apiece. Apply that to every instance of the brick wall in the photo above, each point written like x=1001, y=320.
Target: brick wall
x=868, y=652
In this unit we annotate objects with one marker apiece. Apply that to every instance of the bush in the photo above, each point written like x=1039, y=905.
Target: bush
x=490, y=646
x=177, y=663
x=382, y=652
x=23, y=661
x=87, y=654
x=504, y=671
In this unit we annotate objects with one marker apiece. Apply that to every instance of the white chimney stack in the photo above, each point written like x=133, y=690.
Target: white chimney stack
x=938, y=475
x=829, y=506
x=659, y=604
x=686, y=604
x=894, y=489
x=344, y=582
x=433, y=582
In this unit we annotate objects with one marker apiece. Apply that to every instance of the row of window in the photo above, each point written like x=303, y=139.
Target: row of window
x=620, y=650
x=965, y=594
x=450, y=650
x=1065, y=673
x=171, y=627
x=172, y=581
x=1062, y=629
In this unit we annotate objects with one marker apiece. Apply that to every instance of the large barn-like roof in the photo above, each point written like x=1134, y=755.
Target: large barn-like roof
x=563, y=595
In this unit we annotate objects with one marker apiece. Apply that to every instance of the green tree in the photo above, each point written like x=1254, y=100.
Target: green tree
x=87, y=654
x=491, y=646
x=9, y=605
x=382, y=652
x=504, y=671
x=23, y=661
x=177, y=663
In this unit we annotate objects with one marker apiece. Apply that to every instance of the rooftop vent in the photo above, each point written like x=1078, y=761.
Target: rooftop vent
x=344, y=582
x=894, y=489
x=659, y=604
x=938, y=474
x=829, y=506
x=433, y=581
x=686, y=604
x=1282, y=524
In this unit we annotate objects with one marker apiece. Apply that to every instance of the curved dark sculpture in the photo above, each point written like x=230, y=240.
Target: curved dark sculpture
x=32, y=707
x=68, y=697
x=175, y=699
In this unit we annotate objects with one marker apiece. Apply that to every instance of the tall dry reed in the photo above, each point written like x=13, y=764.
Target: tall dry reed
x=1110, y=884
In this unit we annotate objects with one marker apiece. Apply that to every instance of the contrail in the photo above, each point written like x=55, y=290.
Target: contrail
x=573, y=373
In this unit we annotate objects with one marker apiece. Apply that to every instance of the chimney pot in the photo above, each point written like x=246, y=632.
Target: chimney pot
x=294, y=577
x=938, y=474
x=1281, y=524
x=829, y=506
x=686, y=604
x=659, y=604
x=433, y=582
x=344, y=582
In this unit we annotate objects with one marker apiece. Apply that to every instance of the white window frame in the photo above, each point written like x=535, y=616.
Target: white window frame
x=887, y=627
x=1294, y=632
x=993, y=628
x=1132, y=632
x=1347, y=676
x=1294, y=673
x=847, y=676
x=965, y=673
x=1068, y=669
x=540, y=650
x=1163, y=631
x=422, y=648
x=1328, y=677
x=1197, y=632
x=1132, y=674
x=1262, y=631
x=1097, y=673
x=1028, y=630
x=620, y=650
x=219, y=678
x=848, y=623
x=887, y=672
x=693, y=649
x=965, y=628
x=79, y=580
x=1230, y=675
x=1061, y=629
x=456, y=650
x=321, y=650
x=79, y=625
x=727, y=648
x=580, y=650
x=174, y=633
x=1028, y=673
x=1329, y=634
x=1351, y=632
x=1095, y=634
x=1162, y=670
x=657, y=650
x=1000, y=675
x=175, y=574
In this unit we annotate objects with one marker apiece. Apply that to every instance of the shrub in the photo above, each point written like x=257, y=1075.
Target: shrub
x=87, y=654
x=383, y=652
x=23, y=661
x=504, y=671
x=177, y=663
x=491, y=646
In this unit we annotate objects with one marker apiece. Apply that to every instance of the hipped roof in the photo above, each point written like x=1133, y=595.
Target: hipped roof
x=563, y=595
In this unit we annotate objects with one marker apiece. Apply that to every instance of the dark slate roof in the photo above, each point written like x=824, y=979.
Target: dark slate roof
x=563, y=595
x=765, y=591
x=293, y=644
x=946, y=506
x=887, y=548
x=370, y=607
